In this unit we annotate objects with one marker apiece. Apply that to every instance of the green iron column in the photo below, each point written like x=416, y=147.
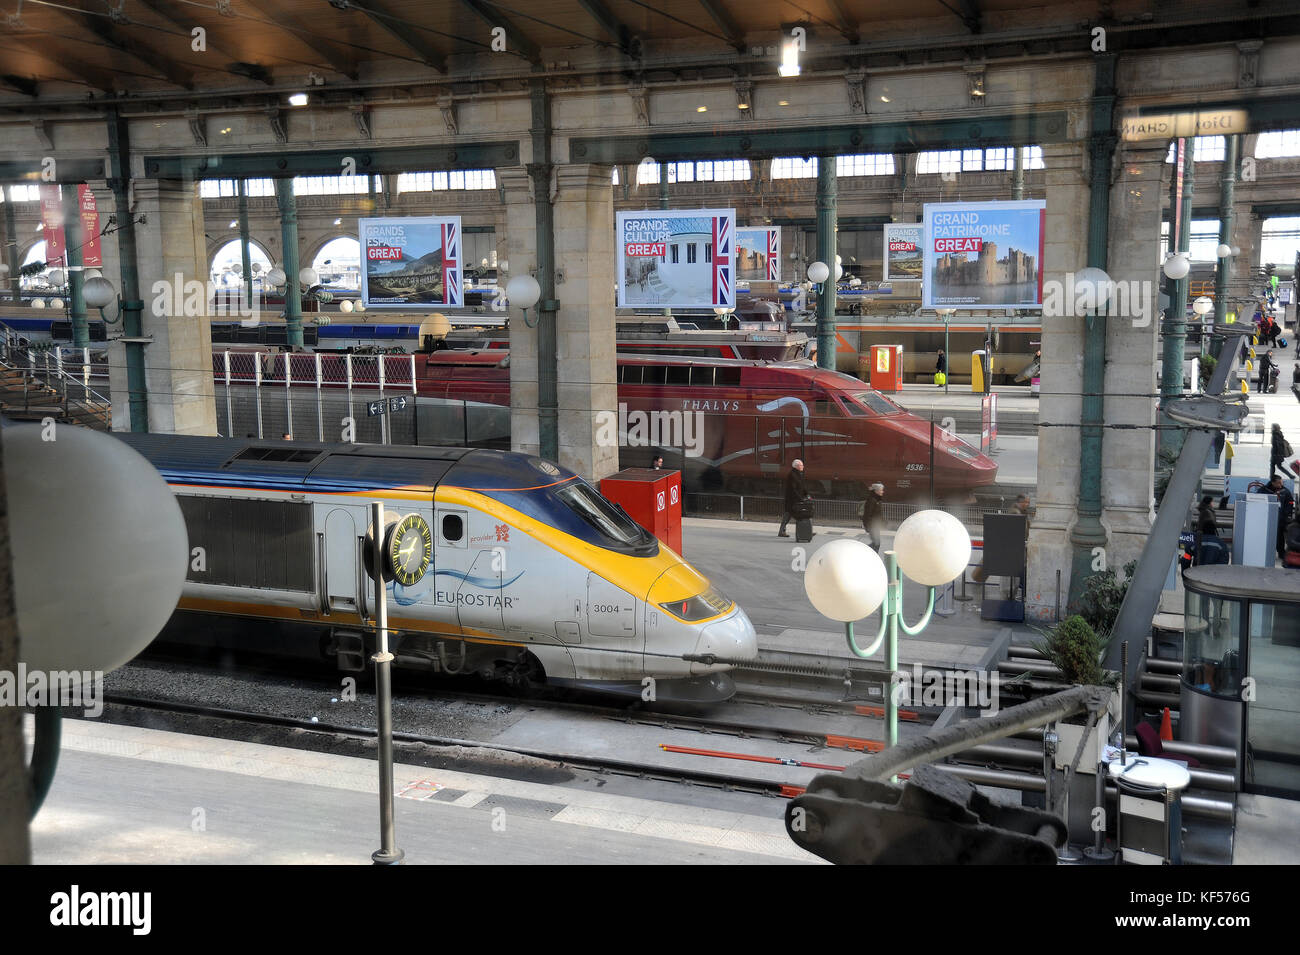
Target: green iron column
x=245, y=258
x=540, y=169
x=663, y=204
x=1088, y=531
x=1175, y=345
x=73, y=239
x=11, y=246
x=119, y=158
x=289, y=240
x=826, y=209
x=1227, y=196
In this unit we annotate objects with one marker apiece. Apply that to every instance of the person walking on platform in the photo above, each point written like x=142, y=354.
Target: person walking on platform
x=941, y=369
x=1286, y=510
x=1279, y=454
x=873, y=515
x=1267, y=372
x=796, y=492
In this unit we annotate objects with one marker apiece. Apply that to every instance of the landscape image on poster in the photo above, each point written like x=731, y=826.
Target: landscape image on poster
x=413, y=275
x=751, y=255
x=985, y=257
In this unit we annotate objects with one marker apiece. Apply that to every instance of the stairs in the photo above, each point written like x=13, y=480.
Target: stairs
x=24, y=397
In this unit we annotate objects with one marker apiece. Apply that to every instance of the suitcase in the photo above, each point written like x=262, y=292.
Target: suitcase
x=940, y=378
x=803, y=531
x=803, y=509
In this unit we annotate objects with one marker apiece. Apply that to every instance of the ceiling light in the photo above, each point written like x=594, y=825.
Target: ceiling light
x=783, y=103
x=789, y=58
x=884, y=99
x=337, y=222
x=226, y=131
x=298, y=99
x=233, y=223
x=701, y=109
x=742, y=106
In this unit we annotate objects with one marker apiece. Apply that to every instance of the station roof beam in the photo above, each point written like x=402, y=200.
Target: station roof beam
x=516, y=39
x=726, y=24
x=167, y=12
x=610, y=23
x=398, y=29
x=104, y=25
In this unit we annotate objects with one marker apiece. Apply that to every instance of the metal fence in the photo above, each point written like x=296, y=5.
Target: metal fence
x=63, y=375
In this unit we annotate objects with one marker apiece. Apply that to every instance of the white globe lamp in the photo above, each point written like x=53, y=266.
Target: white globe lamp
x=932, y=548
x=309, y=277
x=1094, y=286
x=845, y=580
x=276, y=277
x=818, y=272
x=1177, y=266
x=522, y=291
x=345, y=305
x=1203, y=305
x=98, y=292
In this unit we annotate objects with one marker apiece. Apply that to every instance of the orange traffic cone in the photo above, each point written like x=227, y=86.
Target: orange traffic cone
x=1166, y=728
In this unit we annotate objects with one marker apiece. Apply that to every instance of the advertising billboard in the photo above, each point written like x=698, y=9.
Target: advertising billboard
x=411, y=263
x=983, y=254
x=902, y=251
x=52, y=226
x=758, y=254
x=678, y=258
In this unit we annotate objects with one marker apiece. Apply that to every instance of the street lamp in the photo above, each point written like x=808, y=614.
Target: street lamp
x=523, y=291
x=846, y=581
x=1177, y=265
x=946, y=314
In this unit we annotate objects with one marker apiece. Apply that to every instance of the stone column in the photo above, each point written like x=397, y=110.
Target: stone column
x=1065, y=251
x=584, y=257
x=173, y=269
x=521, y=252
x=1131, y=348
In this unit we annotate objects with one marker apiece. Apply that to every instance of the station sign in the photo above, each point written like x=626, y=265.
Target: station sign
x=903, y=251
x=677, y=258
x=411, y=263
x=386, y=406
x=983, y=254
x=1214, y=122
x=758, y=253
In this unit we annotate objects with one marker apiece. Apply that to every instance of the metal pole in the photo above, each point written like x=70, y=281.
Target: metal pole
x=73, y=239
x=257, y=389
x=947, y=353
x=119, y=160
x=289, y=240
x=893, y=607
x=1088, y=532
x=388, y=853
x=548, y=415
x=11, y=246
x=663, y=204
x=245, y=256
x=932, y=458
x=230, y=411
x=827, y=198
x=1018, y=173
x=1227, y=196
x=1171, y=382
x=320, y=411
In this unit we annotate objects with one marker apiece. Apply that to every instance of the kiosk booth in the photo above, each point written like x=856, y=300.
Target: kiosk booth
x=1241, y=667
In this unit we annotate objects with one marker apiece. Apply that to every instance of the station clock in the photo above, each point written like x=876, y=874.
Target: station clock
x=409, y=549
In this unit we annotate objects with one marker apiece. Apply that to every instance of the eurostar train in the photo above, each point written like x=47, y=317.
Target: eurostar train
x=503, y=565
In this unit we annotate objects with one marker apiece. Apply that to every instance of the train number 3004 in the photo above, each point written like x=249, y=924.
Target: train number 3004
x=604, y=608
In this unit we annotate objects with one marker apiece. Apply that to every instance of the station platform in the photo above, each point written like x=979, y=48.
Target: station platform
x=228, y=803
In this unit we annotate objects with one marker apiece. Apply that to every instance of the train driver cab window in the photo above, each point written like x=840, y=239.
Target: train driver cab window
x=824, y=407
x=877, y=402
x=852, y=408
x=612, y=522
x=451, y=527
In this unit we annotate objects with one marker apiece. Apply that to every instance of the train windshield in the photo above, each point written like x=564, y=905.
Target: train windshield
x=877, y=402
x=612, y=522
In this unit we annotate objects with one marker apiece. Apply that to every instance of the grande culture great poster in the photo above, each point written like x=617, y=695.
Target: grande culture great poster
x=411, y=263
x=678, y=258
x=983, y=254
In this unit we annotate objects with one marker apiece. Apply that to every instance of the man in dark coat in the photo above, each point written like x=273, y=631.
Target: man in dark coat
x=941, y=364
x=873, y=515
x=1279, y=452
x=1286, y=511
x=796, y=491
x=1267, y=372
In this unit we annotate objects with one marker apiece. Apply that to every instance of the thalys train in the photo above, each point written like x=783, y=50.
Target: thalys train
x=505, y=565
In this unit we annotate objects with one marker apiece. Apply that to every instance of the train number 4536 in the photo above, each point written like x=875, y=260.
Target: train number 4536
x=915, y=467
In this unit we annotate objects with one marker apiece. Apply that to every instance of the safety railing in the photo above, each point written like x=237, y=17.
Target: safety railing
x=59, y=376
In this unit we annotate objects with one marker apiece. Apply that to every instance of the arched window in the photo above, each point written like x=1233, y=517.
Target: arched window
x=228, y=263
x=338, y=263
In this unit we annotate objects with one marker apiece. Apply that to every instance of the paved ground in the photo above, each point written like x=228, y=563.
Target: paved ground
x=141, y=796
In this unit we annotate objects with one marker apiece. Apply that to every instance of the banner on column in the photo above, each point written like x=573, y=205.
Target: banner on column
x=758, y=254
x=52, y=226
x=680, y=258
x=902, y=251
x=411, y=263
x=983, y=254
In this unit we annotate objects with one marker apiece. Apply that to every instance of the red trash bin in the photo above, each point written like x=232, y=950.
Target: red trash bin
x=652, y=498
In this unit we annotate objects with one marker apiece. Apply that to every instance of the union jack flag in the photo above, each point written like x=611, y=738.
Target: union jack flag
x=772, y=254
x=723, y=293
x=452, y=292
